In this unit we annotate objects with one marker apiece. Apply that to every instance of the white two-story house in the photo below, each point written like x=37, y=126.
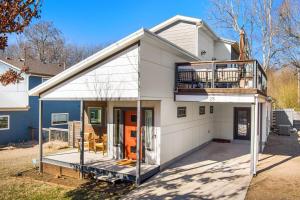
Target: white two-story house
x=176, y=87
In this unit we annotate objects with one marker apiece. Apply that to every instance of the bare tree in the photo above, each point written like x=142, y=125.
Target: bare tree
x=289, y=24
x=75, y=53
x=46, y=41
x=255, y=18
x=234, y=17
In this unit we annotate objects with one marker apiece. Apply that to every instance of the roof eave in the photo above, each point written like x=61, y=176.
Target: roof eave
x=97, y=57
x=86, y=62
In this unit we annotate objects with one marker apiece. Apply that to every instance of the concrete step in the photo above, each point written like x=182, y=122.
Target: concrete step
x=109, y=179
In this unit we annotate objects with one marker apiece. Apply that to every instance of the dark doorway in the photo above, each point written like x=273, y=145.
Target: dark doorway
x=242, y=123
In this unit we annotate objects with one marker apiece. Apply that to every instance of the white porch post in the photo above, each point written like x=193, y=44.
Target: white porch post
x=40, y=135
x=138, y=145
x=254, y=131
x=138, y=117
x=81, y=139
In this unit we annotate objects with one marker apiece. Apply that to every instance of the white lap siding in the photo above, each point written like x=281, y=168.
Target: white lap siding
x=182, y=34
x=178, y=135
x=116, y=77
x=224, y=119
x=13, y=95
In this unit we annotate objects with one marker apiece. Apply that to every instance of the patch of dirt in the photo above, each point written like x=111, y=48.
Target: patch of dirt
x=81, y=189
x=278, y=170
x=20, y=180
x=48, y=178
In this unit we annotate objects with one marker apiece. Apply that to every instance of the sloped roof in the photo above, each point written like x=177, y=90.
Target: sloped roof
x=103, y=54
x=36, y=67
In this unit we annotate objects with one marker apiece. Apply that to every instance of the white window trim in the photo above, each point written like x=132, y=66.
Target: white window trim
x=45, y=78
x=88, y=114
x=61, y=123
x=8, y=123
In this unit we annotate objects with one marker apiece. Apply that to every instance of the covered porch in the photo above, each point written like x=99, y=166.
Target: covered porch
x=97, y=165
x=235, y=118
x=106, y=142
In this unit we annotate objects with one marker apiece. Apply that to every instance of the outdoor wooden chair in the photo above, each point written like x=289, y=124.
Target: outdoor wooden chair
x=101, y=144
x=88, y=142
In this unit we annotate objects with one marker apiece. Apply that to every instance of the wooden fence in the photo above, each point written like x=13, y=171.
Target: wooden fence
x=74, y=133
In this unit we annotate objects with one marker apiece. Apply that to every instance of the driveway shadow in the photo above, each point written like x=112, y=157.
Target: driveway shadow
x=218, y=171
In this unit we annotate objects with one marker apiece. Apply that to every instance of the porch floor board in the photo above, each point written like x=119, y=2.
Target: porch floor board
x=98, y=161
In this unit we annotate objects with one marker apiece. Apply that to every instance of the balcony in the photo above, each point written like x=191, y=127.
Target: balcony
x=232, y=76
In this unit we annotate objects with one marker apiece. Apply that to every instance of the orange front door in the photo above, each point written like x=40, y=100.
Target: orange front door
x=130, y=134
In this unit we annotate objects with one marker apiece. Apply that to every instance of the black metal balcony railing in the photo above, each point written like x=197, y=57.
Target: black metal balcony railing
x=221, y=74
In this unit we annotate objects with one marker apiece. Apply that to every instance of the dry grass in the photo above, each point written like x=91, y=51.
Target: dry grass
x=14, y=159
x=279, y=167
x=18, y=158
x=55, y=146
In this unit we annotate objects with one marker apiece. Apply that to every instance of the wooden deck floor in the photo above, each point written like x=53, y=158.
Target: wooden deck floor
x=97, y=162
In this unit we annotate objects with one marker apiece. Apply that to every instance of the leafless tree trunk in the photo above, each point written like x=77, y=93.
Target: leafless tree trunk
x=46, y=40
x=255, y=18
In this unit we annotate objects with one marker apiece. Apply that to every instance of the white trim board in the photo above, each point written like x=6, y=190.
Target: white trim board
x=213, y=98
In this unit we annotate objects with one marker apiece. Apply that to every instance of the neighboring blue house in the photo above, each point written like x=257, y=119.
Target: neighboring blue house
x=19, y=112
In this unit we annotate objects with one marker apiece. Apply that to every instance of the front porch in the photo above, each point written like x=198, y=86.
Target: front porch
x=97, y=165
x=105, y=143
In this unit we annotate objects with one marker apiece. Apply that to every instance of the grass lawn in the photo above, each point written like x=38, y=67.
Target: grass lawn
x=15, y=160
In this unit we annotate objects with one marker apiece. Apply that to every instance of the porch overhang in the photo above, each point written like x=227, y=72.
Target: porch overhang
x=90, y=99
x=220, y=98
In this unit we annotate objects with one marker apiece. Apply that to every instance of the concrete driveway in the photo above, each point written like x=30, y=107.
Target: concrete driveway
x=218, y=171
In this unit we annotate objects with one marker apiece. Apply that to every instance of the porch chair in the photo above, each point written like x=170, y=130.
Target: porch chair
x=101, y=144
x=88, y=142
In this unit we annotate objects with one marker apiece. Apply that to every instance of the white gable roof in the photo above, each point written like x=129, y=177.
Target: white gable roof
x=173, y=20
x=10, y=65
x=193, y=20
x=104, y=53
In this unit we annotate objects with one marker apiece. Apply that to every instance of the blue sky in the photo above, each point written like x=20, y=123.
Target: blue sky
x=89, y=22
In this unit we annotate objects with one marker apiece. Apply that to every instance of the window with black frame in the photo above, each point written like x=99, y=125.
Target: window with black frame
x=181, y=112
x=149, y=129
x=201, y=110
x=95, y=115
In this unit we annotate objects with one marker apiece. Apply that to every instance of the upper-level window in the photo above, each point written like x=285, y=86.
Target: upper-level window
x=201, y=110
x=95, y=115
x=59, y=118
x=181, y=112
x=4, y=122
